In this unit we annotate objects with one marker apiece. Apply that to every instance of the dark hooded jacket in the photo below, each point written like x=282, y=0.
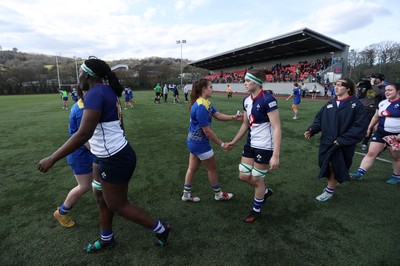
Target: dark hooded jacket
x=347, y=124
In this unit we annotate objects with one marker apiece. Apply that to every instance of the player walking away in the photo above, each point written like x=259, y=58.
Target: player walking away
x=74, y=95
x=296, y=100
x=165, y=92
x=81, y=162
x=128, y=98
x=262, y=149
x=198, y=140
x=131, y=100
x=115, y=160
x=64, y=97
x=186, y=92
x=175, y=93
x=229, y=91
x=158, y=90
x=342, y=123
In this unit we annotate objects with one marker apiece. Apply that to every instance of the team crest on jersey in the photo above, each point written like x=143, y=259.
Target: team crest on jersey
x=329, y=106
x=258, y=107
x=251, y=119
x=272, y=104
x=396, y=105
x=353, y=105
x=385, y=113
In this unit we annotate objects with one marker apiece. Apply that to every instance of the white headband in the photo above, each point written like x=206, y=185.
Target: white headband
x=253, y=78
x=89, y=71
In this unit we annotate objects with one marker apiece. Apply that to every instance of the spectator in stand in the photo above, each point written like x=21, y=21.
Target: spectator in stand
x=318, y=78
x=296, y=100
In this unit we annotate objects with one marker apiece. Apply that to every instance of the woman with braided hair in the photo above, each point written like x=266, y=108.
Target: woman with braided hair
x=115, y=160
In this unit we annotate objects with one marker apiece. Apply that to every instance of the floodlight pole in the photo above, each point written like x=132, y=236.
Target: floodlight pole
x=181, y=42
x=352, y=58
x=58, y=73
x=76, y=70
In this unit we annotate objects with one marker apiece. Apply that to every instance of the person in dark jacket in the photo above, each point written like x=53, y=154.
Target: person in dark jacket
x=371, y=92
x=342, y=122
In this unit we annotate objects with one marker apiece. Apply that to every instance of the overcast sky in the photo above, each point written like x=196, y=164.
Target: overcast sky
x=118, y=29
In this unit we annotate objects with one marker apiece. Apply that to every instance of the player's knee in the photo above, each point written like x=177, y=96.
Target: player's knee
x=245, y=178
x=245, y=170
x=96, y=185
x=85, y=187
x=257, y=173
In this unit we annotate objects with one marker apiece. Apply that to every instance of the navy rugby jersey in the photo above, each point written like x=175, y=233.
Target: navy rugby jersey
x=260, y=130
x=389, y=116
x=108, y=137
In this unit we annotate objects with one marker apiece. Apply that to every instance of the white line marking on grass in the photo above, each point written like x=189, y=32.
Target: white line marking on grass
x=380, y=159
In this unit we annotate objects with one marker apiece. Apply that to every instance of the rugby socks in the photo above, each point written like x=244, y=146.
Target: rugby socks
x=329, y=190
x=158, y=227
x=257, y=204
x=396, y=175
x=106, y=236
x=187, y=190
x=217, y=190
x=361, y=170
x=64, y=210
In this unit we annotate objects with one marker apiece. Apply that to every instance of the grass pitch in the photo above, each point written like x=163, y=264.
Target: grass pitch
x=358, y=227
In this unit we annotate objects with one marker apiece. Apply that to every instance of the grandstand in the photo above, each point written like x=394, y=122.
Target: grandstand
x=298, y=56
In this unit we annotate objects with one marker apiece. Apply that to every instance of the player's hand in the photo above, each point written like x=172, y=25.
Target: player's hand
x=45, y=164
x=273, y=163
x=229, y=146
x=307, y=134
x=238, y=116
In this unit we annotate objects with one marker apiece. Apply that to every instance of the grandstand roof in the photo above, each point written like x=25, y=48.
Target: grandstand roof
x=293, y=44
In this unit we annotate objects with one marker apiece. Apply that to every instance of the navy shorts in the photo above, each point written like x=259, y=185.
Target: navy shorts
x=259, y=156
x=119, y=168
x=378, y=136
